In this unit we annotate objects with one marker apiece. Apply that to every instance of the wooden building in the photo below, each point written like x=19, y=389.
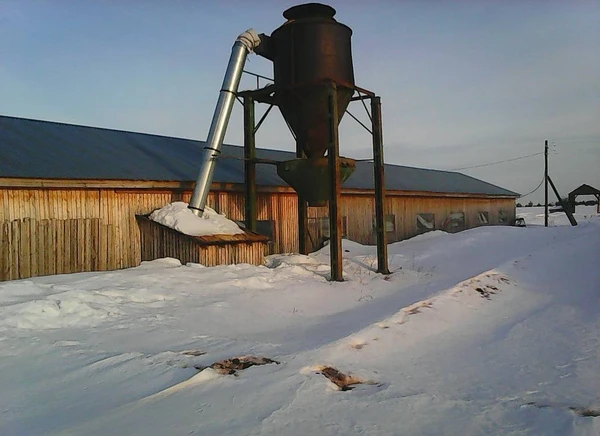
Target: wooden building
x=69, y=196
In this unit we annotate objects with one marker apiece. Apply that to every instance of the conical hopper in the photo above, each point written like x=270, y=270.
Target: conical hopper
x=306, y=111
x=310, y=177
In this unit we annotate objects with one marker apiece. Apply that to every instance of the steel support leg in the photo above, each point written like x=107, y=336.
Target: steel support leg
x=546, y=183
x=378, y=167
x=250, y=211
x=302, y=213
x=335, y=219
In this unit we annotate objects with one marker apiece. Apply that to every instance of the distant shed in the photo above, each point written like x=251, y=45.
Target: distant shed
x=80, y=188
x=583, y=190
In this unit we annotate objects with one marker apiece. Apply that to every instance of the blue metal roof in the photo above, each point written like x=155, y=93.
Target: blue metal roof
x=49, y=150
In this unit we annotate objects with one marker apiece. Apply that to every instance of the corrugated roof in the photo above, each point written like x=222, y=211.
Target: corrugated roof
x=49, y=150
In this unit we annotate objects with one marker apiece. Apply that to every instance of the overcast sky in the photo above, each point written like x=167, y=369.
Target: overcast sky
x=462, y=83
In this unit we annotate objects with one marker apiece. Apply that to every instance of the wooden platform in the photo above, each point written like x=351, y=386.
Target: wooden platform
x=158, y=241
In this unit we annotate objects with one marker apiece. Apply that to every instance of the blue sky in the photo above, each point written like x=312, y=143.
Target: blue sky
x=462, y=83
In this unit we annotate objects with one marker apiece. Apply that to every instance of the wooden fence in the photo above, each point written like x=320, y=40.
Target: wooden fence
x=30, y=248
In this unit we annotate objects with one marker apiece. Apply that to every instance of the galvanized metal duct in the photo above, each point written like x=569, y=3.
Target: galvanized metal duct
x=244, y=44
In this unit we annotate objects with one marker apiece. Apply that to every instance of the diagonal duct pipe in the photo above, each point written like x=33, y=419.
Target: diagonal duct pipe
x=244, y=44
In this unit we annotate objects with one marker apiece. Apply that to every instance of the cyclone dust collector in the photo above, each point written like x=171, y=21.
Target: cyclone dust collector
x=313, y=85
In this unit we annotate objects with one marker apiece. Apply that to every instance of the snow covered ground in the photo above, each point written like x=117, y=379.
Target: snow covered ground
x=535, y=215
x=494, y=330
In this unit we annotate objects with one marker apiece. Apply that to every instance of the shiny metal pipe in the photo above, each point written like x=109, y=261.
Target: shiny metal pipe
x=243, y=45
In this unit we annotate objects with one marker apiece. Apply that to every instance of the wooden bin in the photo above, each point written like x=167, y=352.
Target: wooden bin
x=158, y=241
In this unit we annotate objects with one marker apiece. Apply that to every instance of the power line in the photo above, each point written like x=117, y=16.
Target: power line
x=498, y=162
x=538, y=187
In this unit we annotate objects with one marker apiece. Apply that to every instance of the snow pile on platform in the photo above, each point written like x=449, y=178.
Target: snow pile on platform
x=177, y=216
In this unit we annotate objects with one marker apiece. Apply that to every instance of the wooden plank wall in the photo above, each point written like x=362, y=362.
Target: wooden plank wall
x=252, y=253
x=359, y=211
x=31, y=248
x=117, y=208
x=157, y=242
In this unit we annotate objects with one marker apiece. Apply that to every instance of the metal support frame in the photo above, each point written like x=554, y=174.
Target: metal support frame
x=379, y=176
x=266, y=95
x=335, y=219
x=250, y=210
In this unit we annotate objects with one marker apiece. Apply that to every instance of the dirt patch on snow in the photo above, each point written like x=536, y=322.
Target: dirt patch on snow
x=416, y=308
x=579, y=410
x=194, y=353
x=344, y=382
x=232, y=366
x=485, y=285
x=585, y=411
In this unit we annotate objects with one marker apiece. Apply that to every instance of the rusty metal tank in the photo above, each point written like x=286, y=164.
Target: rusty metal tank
x=308, y=51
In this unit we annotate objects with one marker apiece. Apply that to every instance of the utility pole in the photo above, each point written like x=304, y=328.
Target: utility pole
x=546, y=183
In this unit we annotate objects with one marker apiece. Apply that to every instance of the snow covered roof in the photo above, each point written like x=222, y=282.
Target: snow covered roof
x=584, y=190
x=49, y=150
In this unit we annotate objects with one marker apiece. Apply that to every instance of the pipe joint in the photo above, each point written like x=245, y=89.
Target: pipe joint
x=250, y=39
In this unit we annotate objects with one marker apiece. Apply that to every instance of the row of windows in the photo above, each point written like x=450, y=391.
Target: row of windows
x=425, y=222
x=455, y=222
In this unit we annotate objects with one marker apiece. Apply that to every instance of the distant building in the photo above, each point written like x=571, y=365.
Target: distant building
x=54, y=174
x=583, y=190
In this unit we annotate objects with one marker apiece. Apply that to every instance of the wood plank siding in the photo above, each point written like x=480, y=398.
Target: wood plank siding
x=158, y=241
x=118, y=243
x=30, y=247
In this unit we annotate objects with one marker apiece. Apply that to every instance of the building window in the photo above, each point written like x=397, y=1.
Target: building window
x=455, y=222
x=425, y=222
x=389, y=224
x=267, y=228
x=263, y=227
x=483, y=218
x=502, y=217
x=320, y=226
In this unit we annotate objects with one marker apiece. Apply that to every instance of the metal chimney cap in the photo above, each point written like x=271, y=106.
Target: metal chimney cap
x=309, y=10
